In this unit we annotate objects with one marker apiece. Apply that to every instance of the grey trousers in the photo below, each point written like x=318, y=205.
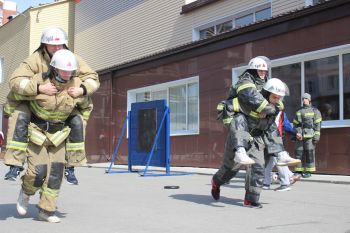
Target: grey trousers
x=254, y=173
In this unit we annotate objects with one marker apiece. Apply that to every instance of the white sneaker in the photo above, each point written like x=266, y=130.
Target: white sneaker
x=241, y=157
x=42, y=216
x=22, y=203
x=283, y=159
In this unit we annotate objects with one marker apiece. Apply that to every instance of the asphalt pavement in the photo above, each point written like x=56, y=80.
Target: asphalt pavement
x=122, y=202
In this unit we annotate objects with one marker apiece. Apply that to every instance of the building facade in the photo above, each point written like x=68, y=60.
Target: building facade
x=190, y=54
x=8, y=10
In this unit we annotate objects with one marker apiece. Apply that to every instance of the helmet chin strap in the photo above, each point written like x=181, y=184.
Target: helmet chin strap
x=59, y=79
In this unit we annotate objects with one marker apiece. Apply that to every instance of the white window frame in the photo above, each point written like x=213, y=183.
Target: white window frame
x=131, y=98
x=314, y=55
x=252, y=10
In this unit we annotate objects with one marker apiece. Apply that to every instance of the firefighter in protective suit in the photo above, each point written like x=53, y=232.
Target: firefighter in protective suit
x=251, y=130
x=307, y=123
x=22, y=84
x=48, y=131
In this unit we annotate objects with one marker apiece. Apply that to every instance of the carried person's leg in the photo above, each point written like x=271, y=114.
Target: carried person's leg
x=75, y=147
x=17, y=141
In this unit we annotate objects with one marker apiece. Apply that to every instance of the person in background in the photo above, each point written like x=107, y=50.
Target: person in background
x=307, y=123
x=285, y=175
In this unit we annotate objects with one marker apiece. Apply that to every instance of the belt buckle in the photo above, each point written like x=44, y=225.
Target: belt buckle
x=47, y=126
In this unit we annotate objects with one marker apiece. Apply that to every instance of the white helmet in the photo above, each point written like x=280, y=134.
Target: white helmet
x=54, y=36
x=257, y=63
x=276, y=86
x=65, y=60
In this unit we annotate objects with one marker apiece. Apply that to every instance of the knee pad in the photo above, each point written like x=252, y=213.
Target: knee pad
x=77, y=128
x=41, y=173
x=21, y=129
x=56, y=175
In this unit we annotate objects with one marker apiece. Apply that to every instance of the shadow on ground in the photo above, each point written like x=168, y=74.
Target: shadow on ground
x=9, y=211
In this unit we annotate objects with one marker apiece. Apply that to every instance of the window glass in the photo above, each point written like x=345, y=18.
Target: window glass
x=143, y=97
x=177, y=104
x=291, y=75
x=322, y=82
x=263, y=14
x=346, y=85
x=206, y=33
x=193, y=106
x=224, y=27
x=159, y=95
x=245, y=20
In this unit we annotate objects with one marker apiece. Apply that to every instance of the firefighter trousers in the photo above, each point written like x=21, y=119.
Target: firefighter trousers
x=305, y=151
x=17, y=136
x=45, y=173
x=254, y=173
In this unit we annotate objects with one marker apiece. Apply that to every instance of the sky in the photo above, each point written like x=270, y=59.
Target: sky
x=23, y=5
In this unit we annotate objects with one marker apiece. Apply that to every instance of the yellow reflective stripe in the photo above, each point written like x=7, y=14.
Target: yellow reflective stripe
x=50, y=192
x=295, y=122
x=310, y=169
x=311, y=114
x=235, y=104
x=22, y=146
x=308, y=135
x=220, y=107
x=18, y=97
x=75, y=146
x=8, y=109
x=36, y=137
x=46, y=114
x=280, y=104
x=254, y=114
x=317, y=133
x=59, y=136
x=244, y=86
x=86, y=115
x=262, y=106
x=298, y=113
x=299, y=169
x=318, y=120
x=227, y=120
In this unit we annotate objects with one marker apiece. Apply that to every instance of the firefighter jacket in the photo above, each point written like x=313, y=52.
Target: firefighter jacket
x=307, y=122
x=245, y=97
x=256, y=117
x=22, y=83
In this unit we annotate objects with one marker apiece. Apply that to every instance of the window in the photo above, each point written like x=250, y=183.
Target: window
x=325, y=74
x=182, y=97
x=291, y=75
x=240, y=19
x=313, y=2
x=244, y=20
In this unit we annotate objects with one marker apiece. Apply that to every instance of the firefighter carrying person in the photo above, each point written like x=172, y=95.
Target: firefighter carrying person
x=254, y=78
x=251, y=130
x=307, y=123
x=48, y=131
x=21, y=83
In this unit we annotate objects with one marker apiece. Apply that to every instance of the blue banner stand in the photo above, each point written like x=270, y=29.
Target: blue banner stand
x=134, y=158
